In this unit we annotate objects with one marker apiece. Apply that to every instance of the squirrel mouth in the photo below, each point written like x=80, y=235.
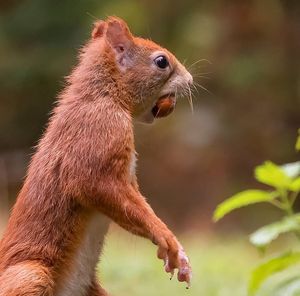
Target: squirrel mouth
x=164, y=106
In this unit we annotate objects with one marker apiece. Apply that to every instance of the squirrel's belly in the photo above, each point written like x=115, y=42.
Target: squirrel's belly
x=82, y=270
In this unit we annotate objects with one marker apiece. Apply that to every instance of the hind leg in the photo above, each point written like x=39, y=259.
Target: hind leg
x=28, y=278
x=97, y=290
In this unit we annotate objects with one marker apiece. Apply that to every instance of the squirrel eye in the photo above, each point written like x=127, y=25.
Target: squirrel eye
x=161, y=62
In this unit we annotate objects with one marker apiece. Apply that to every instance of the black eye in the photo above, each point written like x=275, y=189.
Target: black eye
x=161, y=62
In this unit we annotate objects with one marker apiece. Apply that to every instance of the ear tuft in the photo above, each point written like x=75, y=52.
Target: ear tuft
x=99, y=29
x=118, y=34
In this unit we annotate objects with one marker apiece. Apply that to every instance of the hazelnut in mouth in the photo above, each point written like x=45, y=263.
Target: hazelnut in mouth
x=164, y=106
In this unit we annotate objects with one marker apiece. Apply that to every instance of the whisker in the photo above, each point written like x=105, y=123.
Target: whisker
x=190, y=99
x=158, y=111
x=201, y=76
x=195, y=88
x=201, y=60
x=202, y=87
x=203, y=73
x=92, y=16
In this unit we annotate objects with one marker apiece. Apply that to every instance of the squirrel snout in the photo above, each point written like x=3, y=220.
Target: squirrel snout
x=186, y=76
x=189, y=78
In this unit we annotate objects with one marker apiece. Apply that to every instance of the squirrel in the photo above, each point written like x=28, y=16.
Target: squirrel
x=82, y=174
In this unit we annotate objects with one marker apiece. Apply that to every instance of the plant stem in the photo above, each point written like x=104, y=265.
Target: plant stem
x=293, y=197
x=278, y=204
x=288, y=207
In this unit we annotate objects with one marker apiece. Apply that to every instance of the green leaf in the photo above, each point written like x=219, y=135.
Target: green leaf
x=242, y=199
x=267, y=269
x=263, y=236
x=292, y=170
x=271, y=174
x=295, y=185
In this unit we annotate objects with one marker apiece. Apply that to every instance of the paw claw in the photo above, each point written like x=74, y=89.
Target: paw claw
x=172, y=274
x=175, y=258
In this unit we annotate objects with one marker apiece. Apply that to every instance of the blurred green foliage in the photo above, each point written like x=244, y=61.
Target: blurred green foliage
x=285, y=183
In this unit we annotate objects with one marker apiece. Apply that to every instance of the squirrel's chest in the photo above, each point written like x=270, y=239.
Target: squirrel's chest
x=84, y=262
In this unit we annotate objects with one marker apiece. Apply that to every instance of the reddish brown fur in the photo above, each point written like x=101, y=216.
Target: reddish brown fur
x=81, y=166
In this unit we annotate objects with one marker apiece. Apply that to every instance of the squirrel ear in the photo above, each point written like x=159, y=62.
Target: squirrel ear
x=99, y=29
x=118, y=34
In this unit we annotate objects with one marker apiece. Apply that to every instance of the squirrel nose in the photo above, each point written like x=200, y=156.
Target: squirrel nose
x=189, y=78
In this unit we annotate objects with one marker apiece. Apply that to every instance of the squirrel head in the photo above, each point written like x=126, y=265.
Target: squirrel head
x=146, y=71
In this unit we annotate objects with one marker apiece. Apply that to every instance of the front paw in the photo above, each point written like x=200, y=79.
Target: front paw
x=174, y=257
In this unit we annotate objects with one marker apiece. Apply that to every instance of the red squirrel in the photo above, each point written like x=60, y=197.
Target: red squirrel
x=82, y=174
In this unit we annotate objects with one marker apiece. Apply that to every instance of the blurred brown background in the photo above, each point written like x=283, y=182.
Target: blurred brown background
x=245, y=53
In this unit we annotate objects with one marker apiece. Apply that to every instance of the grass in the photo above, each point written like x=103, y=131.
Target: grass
x=221, y=267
